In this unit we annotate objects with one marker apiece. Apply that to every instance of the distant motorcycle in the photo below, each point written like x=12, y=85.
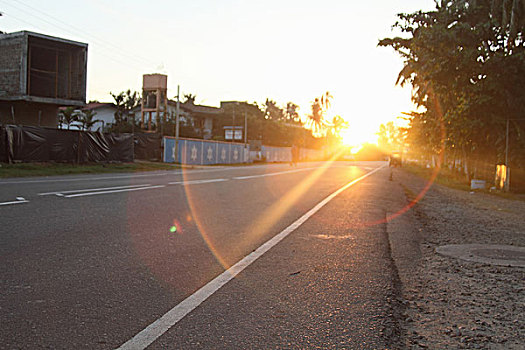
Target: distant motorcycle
x=395, y=160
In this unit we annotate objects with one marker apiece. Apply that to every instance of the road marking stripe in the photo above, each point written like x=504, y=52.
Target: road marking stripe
x=80, y=177
x=15, y=202
x=114, y=191
x=149, y=334
x=91, y=189
x=271, y=174
x=196, y=182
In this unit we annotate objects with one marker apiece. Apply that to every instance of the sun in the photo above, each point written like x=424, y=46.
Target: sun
x=354, y=138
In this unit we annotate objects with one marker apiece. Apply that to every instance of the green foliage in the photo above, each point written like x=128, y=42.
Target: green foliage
x=189, y=98
x=272, y=111
x=67, y=116
x=268, y=123
x=391, y=138
x=125, y=102
x=466, y=64
x=317, y=118
x=86, y=118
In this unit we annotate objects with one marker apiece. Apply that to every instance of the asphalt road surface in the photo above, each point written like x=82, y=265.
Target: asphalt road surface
x=178, y=259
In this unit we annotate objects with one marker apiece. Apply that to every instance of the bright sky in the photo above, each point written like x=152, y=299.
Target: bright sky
x=285, y=50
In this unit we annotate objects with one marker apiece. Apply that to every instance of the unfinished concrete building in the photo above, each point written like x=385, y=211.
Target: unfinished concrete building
x=39, y=73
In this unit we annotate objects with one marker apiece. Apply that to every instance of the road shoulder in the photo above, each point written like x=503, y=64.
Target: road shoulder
x=452, y=303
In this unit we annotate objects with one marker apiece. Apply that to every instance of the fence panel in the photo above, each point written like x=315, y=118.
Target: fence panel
x=277, y=154
x=204, y=152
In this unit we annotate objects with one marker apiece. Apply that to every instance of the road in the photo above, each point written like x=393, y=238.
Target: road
x=151, y=259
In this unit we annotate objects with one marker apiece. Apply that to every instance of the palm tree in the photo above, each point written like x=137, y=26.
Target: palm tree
x=119, y=103
x=326, y=100
x=67, y=116
x=291, y=113
x=86, y=118
x=317, y=119
x=189, y=98
x=337, y=124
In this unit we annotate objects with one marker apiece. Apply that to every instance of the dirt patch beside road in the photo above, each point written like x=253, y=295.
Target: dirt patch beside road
x=451, y=303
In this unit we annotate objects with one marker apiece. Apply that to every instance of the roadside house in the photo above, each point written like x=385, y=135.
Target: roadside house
x=105, y=112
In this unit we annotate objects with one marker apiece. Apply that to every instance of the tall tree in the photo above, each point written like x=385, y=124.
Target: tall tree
x=272, y=111
x=317, y=118
x=465, y=74
x=291, y=113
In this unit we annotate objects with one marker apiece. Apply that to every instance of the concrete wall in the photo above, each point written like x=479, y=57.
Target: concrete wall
x=27, y=113
x=11, y=61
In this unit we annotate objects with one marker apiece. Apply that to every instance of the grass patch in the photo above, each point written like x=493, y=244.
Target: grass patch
x=49, y=169
x=445, y=177
x=451, y=179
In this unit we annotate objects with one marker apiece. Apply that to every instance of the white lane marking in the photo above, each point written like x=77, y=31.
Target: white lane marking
x=126, y=176
x=58, y=193
x=196, y=182
x=271, y=174
x=85, y=178
x=114, y=191
x=149, y=334
x=15, y=202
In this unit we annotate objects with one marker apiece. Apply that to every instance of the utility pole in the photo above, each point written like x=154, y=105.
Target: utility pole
x=233, y=123
x=507, y=170
x=177, y=125
x=245, y=126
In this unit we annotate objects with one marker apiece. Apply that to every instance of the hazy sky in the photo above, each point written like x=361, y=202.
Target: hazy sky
x=286, y=50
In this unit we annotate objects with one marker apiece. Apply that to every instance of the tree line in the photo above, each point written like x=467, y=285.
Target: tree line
x=272, y=124
x=465, y=61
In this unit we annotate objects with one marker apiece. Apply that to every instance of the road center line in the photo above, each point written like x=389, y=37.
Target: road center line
x=149, y=334
x=114, y=191
x=271, y=174
x=196, y=182
x=91, y=189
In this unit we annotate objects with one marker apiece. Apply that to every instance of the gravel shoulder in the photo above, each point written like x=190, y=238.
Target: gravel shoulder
x=447, y=302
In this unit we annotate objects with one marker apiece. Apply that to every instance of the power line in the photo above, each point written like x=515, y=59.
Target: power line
x=76, y=31
x=96, y=39
x=126, y=64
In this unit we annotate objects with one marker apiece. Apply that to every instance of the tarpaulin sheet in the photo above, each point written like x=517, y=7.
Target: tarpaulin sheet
x=4, y=152
x=148, y=146
x=121, y=147
x=37, y=144
x=93, y=147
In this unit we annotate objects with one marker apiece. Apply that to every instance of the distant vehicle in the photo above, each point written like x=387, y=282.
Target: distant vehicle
x=395, y=159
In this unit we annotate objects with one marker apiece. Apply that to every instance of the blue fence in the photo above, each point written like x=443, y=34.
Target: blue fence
x=284, y=154
x=203, y=152
x=277, y=154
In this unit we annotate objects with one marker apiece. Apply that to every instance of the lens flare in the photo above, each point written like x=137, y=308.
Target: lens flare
x=175, y=228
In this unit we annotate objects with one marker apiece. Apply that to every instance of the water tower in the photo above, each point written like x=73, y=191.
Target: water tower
x=154, y=99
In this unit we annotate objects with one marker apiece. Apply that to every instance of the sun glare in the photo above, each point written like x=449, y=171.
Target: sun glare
x=356, y=137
